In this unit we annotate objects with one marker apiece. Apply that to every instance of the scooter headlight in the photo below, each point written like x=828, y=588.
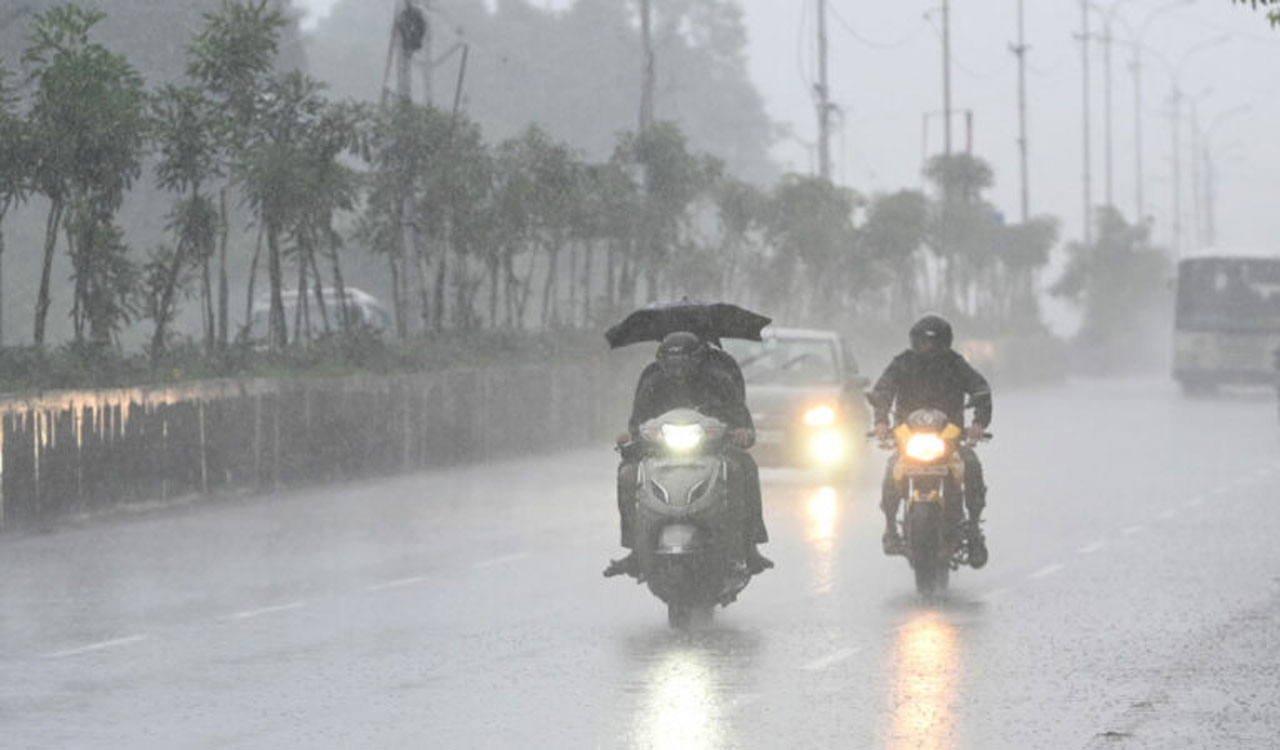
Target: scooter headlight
x=925, y=446
x=682, y=437
x=820, y=416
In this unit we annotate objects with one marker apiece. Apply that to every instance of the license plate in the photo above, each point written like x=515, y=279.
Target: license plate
x=770, y=437
x=926, y=471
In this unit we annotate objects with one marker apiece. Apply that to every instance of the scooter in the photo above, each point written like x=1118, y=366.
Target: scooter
x=688, y=525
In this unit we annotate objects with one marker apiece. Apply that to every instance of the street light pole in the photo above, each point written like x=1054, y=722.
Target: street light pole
x=1021, y=52
x=1139, y=204
x=1088, y=175
x=824, y=97
x=1210, y=176
x=946, y=75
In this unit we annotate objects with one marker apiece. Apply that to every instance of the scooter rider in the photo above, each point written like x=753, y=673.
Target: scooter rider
x=932, y=375
x=687, y=373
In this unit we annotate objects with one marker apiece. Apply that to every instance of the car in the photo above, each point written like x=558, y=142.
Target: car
x=806, y=398
x=365, y=310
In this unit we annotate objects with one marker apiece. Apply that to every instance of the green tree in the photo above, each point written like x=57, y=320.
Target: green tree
x=1273, y=15
x=88, y=117
x=810, y=227
x=15, y=165
x=189, y=158
x=276, y=167
x=231, y=59
x=896, y=228
x=1116, y=281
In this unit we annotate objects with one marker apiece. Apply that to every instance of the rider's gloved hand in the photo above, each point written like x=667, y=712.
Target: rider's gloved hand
x=742, y=437
x=882, y=432
x=974, y=433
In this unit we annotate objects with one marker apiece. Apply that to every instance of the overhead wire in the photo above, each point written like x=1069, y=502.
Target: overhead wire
x=906, y=39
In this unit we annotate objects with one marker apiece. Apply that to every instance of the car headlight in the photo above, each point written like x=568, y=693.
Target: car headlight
x=820, y=416
x=925, y=446
x=682, y=437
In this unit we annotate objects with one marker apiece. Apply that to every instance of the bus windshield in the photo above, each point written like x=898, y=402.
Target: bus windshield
x=1229, y=294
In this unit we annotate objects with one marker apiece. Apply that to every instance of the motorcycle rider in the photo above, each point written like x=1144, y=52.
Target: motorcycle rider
x=931, y=374
x=688, y=373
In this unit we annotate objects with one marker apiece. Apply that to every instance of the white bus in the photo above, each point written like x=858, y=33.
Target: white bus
x=1227, y=319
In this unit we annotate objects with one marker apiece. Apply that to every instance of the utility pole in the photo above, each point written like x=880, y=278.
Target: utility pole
x=824, y=97
x=946, y=76
x=408, y=35
x=1176, y=110
x=1196, y=235
x=1139, y=210
x=646, y=87
x=428, y=64
x=1020, y=51
x=1088, y=156
x=1106, y=105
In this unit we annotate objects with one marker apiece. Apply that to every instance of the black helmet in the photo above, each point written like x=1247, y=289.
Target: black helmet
x=680, y=353
x=931, y=333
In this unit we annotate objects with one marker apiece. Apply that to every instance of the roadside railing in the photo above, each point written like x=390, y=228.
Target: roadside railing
x=73, y=453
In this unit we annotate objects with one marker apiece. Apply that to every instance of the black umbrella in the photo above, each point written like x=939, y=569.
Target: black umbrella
x=713, y=321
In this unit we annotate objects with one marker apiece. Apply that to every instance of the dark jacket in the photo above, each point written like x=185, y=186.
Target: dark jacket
x=712, y=390
x=939, y=381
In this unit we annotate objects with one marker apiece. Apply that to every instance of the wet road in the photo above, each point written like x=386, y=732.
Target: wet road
x=1132, y=600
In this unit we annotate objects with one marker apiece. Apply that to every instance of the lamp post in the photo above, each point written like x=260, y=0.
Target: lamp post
x=1210, y=173
x=1135, y=41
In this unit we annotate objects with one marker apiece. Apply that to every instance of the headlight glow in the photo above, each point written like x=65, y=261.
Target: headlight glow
x=682, y=437
x=820, y=416
x=925, y=446
x=827, y=448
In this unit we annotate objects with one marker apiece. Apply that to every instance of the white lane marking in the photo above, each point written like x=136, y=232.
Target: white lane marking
x=1091, y=547
x=1046, y=571
x=249, y=614
x=113, y=643
x=831, y=659
x=1134, y=530
x=395, y=584
x=1193, y=502
x=1166, y=515
x=501, y=560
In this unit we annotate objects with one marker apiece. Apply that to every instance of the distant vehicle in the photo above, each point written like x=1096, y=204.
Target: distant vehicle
x=1227, y=319
x=364, y=309
x=806, y=398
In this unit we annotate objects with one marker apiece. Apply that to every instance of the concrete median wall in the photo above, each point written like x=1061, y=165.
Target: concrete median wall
x=76, y=453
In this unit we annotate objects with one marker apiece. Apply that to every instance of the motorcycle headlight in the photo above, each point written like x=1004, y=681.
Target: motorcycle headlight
x=820, y=416
x=682, y=437
x=925, y=446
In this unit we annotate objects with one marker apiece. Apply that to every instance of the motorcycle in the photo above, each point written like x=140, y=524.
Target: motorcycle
x=932, y=527
x=688, y=526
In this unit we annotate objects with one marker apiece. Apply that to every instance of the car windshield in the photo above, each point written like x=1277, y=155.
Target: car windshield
x=786, y=361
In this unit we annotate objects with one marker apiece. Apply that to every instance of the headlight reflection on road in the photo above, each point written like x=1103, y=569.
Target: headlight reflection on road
x=925, y=681
x=822, y=510
x=682, y=710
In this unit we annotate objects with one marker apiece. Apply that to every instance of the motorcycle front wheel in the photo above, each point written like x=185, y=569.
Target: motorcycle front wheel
x=924, y=546
x=683, y=616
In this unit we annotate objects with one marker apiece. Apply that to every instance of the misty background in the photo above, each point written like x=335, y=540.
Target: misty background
x=737, y=78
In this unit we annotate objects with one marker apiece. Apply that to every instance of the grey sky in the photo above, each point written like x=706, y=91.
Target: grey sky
x=885, y=75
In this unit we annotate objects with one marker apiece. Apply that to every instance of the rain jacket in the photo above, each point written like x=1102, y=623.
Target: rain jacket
x=712, y=390
x=936, y=381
